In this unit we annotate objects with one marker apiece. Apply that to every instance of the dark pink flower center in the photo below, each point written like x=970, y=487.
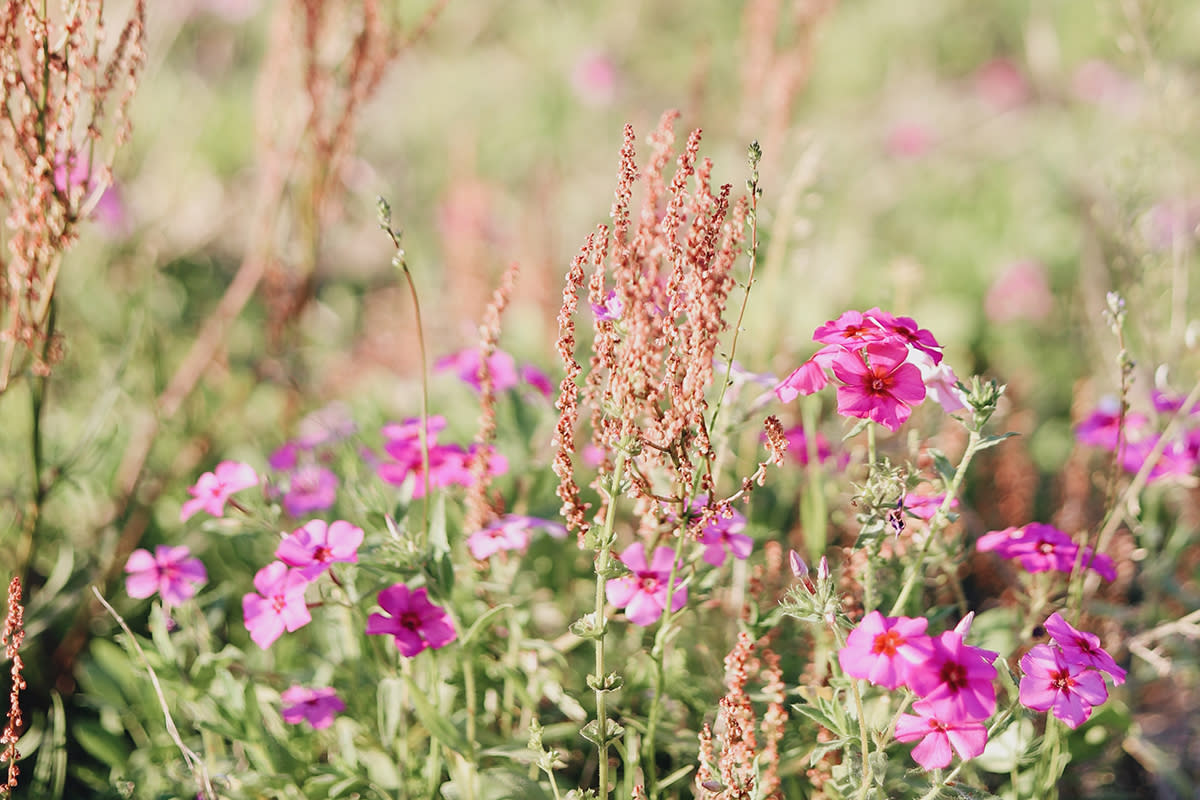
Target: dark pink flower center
x=1062, y=681
x=322, y=554
x=1046, y=548
x=885, y=644
x=648, y=583
x=411, y=620
x=278, y=603
x=954, y=675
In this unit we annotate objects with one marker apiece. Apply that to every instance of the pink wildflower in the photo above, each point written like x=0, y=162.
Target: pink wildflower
x=1020, y=292
x=213, y=489
x=416, y=623
x=908, y=332
x=1102, y=427
x=878, y=384
x=805, y=379
x=510, y=532
x=925, y=506
x=314, y=706
x=956, y=680
x=314, y=547
x=884, y=650
x=537, y=380
x=310, y=488
x=724, y=535
x=279, y=604
x=465, y=363
x=1081, y=647
x=798, y=447
x=941, y=736
x=169, y=572
x=1052, y=682
x=643, y=594
x=1042, y=548
x=851, y=331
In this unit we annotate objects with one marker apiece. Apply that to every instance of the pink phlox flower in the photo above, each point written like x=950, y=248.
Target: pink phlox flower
x=315, y=546
x=408, y=432
x=310, y=488
x=798, y=448
x=924, y=506
x=1052, y=682
x=537, y=380
x=1169, y=403
x=325, y=426
x=1081, y=647
x=1001, y=84
x=314, y=706
x=594, y=79
x=957, y=679
x=805, y=379
x=510, y=532
x=214, y=488
x=907, y=331
x=449, y=464
x=1020, y=292
x=611, y=309
x=279, y=604
x=1042, y=548
x=465, y=364
x=1102, y=427
x=1176, y=459
x=722, y=535
x=940, y=736
x=941, y=384
x=643, y=594
x=851, y=331
x=416, y=622
x=169, y=571
x=885, y=650
x=878, y=384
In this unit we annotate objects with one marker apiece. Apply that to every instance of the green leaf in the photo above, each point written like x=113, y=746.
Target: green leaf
x=859, y=427
x=944, y=468
x=390, y=707
x=108, y=748
x=994, y=439
x=484, y=620
x=434, y=721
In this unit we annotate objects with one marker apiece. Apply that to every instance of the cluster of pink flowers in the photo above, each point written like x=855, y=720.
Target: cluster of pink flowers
x=953, y=679
x=449, y=464
x=278, y=603
x=502, y=368
x=1066, y=676
x=1180, y=456
x=1044, y=548
x=512, y=532
x=884, y=366
x=302, y=478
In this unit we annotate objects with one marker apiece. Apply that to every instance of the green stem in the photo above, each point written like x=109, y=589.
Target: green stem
x=939, y=521
x=37, y=498
x=864, y=740
x=659, y=655
x=604, y=544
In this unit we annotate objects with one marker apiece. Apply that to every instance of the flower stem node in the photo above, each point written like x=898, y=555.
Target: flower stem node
x=611, y=683
x=612, y=732
x=982, y=398
x=589, y=627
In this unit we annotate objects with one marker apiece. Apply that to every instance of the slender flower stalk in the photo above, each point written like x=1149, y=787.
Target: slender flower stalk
x=11, y=638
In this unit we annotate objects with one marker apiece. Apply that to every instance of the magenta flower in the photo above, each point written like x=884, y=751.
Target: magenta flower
x=1083, y=648
x=906, y=331
x=925, y=506
x=878, y=384
x=416, y=623
x=538, y=380
x=722, y=534
x=1021, y=292
x=310, y=488
x=798, y=447
x=169, y=572
x=465, y=364
x=1052, y=682
x=852, y=330
x=214, y=488
x=1042, y=548
x=510, y=532
x=314, y=547
x=643, y=594
x=314, y=706
x=884, y=650
x=956, y=679
x=278, y=606
x=940, y=737
x=611, y=309
x=805, y=379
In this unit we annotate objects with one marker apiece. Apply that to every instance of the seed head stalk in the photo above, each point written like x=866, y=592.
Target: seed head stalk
x=401, y=263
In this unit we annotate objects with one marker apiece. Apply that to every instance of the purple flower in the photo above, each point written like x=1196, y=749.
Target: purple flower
x=416, y=623
x=315, y=706
x=1052, y=682
x=643, y=594
x=611, y=309
x=310, y=488
x=278, y=606
x=1042, y=548
x=1101, y=428
x=956, y=679
x=170, y=572
x=1083, y=648
x=723, y=535
x=510, y=532
x=884, y=650
x=316, y=545
x=907, y=331
x=798, y=447
x=214, y=488
x=537, y=379
x=940, y=737
x=806, y=379
x=465, y=364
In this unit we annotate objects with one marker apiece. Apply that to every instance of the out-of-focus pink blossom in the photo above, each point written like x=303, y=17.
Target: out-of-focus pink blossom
x=465, y=364
x=1021, y=292
x=169, y=571
x=1001, y=84
x=1042, y=548
x=213, y=489
x=909, y=140
x=317, y=707
x=309, y=488
x=723, y=535
x=510, y=532
x=594, y=79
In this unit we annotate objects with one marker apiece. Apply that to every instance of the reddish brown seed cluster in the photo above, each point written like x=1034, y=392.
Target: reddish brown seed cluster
x=658, y=290
x=59, y=99
x=12, y=638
